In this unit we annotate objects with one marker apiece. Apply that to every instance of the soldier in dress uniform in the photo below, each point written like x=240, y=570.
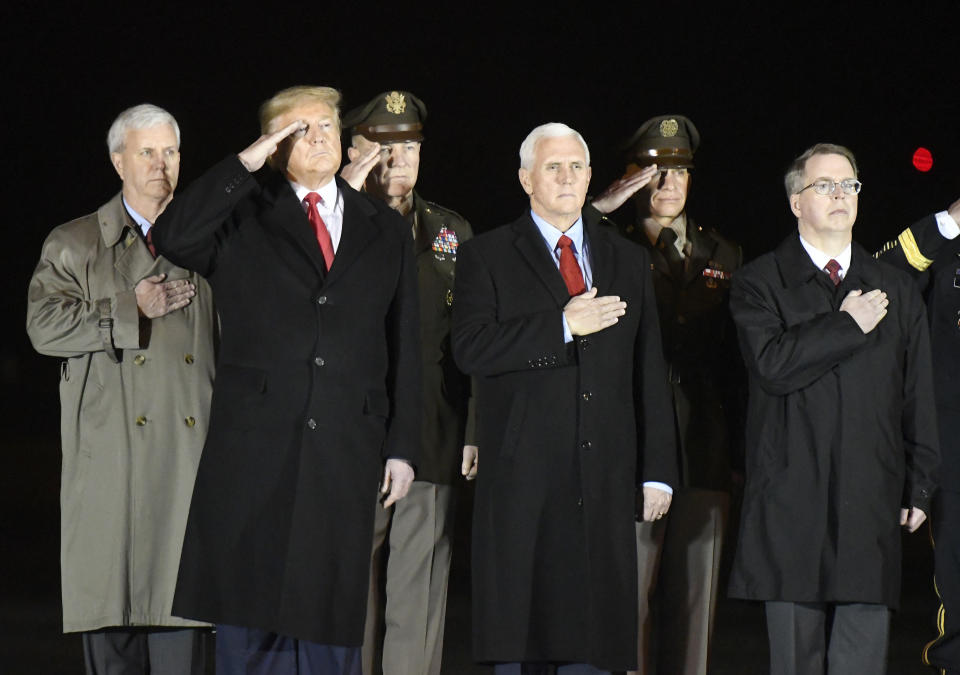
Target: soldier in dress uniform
x=930, y=250
x=386, y=136
x=679, y=555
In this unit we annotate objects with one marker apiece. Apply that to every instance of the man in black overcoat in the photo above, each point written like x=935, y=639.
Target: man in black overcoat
x=317, y=392
x=841, y=431
x=571, y=394
x=930, y=251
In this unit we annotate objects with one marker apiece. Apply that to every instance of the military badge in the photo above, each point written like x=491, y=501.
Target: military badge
x=715, y=274
x=669, y=128
x=446, y=241
x=396, y=103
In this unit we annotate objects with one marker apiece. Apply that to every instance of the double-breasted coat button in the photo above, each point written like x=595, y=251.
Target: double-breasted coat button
x=311, y=424
x=587, y=395
x=188, y=358
x=139, y=359
x=141, y=421
x=580, y=501
x=319, y=361
x=322, y=300
x=190, y=421
x=585, y=445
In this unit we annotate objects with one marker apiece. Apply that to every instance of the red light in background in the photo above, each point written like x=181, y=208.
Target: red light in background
x=922, y=160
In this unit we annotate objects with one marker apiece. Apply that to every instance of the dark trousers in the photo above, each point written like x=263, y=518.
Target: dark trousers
x=944, y=651
x=817, y=638
x=547, y=669
x=249, y=651
x=143, y=651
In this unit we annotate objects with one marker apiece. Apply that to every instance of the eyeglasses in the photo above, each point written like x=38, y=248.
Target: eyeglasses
x=850, y=186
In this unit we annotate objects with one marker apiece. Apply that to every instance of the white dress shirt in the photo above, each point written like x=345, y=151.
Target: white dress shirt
x=330, y=208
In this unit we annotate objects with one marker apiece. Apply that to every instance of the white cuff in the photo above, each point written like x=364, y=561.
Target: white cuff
x=659, y=486
x=947, y=225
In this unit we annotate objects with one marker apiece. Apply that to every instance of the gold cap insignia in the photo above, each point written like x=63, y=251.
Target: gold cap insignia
x=669, y=128
x=397, y=104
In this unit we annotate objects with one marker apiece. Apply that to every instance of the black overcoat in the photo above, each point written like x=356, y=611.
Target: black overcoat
x=841, y=430
x=566, y=432
x=317, y=382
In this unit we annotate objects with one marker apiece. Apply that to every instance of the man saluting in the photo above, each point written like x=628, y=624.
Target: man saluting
x=316, y=397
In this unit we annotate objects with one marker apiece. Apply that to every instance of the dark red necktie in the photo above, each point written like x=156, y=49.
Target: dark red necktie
x=833, y=269
x=569, y=268
x=153, y=249
x=319, y=227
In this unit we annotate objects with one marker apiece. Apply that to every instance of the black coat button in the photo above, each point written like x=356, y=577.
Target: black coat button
x=311, y=424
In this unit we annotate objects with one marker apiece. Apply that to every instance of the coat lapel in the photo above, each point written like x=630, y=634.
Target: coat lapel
x=285, y=214
x=600, y=249
x=133, y=259
x=358, y=230
x=530, y=244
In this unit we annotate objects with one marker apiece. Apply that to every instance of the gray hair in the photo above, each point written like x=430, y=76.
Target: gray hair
x=550, y=130
x=140, y=116
x=793, y=180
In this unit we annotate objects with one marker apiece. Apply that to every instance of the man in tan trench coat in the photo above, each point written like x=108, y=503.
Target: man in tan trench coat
x=136, y=335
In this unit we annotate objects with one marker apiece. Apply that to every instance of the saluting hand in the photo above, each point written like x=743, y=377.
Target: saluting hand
x=254, y=156
x=622, y=189
x=360, y=166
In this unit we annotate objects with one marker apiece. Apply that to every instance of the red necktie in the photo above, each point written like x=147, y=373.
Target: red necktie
x=319, y=227
x=569, y=268
x=833, y=269
x=153, y=249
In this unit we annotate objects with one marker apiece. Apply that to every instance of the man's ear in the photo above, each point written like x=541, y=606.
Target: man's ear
x=525, y=181
x=117, y=160
x=795, y=205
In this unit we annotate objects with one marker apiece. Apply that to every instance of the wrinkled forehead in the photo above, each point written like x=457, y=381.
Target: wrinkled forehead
x=157, y=135
x=559, y=149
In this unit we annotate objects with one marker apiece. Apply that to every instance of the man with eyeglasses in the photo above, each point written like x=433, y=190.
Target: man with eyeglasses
x=841, y=437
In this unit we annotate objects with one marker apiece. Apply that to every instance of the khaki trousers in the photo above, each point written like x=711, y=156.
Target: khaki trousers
x=404, y=634
x=678, y=570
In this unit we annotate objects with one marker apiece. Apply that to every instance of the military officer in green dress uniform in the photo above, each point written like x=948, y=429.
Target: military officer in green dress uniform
x=679, y=555
x=386, y=136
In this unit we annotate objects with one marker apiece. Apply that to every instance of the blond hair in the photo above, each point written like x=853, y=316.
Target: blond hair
x=286, y=100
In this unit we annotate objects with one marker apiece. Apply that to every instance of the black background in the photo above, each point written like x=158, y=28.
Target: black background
x=762, y=84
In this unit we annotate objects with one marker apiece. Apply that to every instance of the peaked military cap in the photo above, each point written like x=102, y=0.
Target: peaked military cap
x=390, y=117
x=668, y=141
